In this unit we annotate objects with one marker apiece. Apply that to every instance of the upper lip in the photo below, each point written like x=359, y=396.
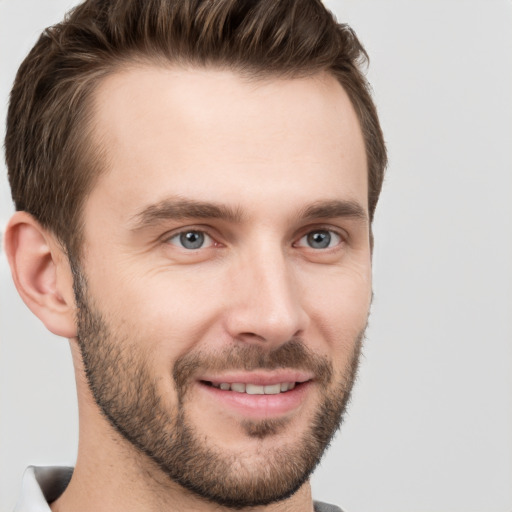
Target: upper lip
x=260, y=378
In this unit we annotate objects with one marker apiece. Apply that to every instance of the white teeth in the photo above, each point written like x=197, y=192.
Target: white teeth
x=239, y=387
x=255, y=389
x=252, y=389
x=272, y=390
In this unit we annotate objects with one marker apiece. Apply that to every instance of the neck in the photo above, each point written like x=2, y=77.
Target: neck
x=102, y=491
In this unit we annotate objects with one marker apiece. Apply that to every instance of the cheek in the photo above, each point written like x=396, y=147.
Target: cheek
x=339, y=304
x=165, y=313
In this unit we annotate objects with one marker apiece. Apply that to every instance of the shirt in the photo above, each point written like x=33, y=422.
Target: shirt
x=42, y=485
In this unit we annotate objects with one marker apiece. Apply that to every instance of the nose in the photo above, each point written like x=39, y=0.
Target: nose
x=265, y=306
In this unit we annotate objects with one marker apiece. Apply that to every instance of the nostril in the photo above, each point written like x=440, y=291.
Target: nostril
x=263, y=322
x=250, y=336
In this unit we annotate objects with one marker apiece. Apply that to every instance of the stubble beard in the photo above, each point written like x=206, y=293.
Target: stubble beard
x=121, y=381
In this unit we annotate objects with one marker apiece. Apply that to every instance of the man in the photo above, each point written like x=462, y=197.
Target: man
x=195, y=183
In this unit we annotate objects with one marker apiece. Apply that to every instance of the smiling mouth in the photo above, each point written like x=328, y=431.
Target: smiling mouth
x=254, y=389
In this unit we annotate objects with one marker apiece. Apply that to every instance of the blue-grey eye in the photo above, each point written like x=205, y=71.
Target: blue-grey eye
x=320, y=239
x=191, y=239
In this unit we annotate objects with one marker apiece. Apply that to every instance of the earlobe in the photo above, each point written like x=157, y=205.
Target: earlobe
x=41, y=273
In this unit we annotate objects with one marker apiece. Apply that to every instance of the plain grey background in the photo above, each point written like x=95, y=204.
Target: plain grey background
x=430, y=425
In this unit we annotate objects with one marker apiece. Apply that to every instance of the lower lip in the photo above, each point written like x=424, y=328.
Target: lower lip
x=260, y=406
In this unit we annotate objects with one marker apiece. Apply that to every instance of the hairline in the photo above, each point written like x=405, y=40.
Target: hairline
x=93, y=155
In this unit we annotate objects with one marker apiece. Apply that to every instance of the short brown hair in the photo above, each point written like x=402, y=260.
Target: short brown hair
x=51, y=160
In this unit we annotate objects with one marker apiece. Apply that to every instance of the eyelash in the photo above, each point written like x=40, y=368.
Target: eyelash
x=339, y=237
x=185, y=232
x=331, y=234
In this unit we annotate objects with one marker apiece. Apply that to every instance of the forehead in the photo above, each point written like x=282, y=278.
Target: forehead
x=208, y=132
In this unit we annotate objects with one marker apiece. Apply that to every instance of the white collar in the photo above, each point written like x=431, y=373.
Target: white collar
x=40, y=486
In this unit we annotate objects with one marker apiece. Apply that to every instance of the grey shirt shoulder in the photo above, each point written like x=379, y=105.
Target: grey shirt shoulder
x=325, y=507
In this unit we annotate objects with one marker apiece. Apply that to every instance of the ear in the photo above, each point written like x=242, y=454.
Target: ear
x=41, y=273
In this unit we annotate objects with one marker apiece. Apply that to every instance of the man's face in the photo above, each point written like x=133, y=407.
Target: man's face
x=225, y=281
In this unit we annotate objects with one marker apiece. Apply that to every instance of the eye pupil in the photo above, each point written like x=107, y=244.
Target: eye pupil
x=319, y=239
x=192, y=239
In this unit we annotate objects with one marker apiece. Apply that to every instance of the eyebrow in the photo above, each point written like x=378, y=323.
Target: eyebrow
x=334, y=209
x=180, y=209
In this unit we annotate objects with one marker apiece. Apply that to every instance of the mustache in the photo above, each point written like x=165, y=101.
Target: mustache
x=293, y=354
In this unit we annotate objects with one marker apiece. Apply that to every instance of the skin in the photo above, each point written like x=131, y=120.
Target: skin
x=266, y=150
